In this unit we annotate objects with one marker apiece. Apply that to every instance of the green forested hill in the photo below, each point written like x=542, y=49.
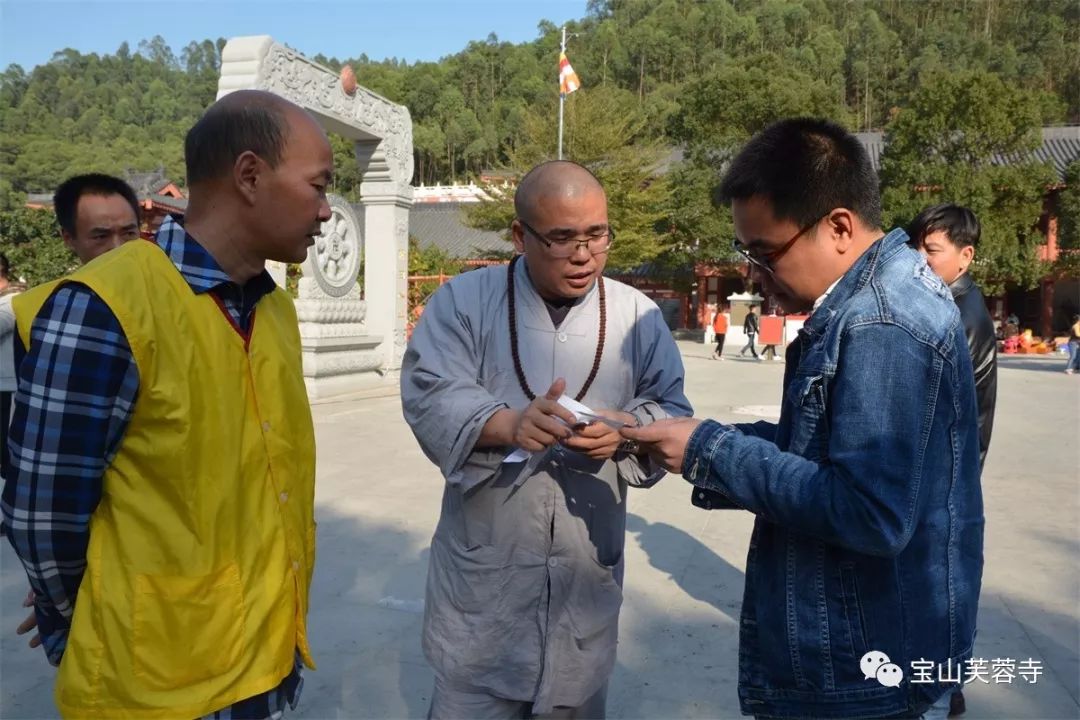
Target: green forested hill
x=855, y=60
x=109, y=113
x=699, y=74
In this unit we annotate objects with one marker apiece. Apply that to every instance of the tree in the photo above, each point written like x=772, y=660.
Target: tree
x=697, y=229
x=428, y=262
x=950, y=145
x=1068, y=208
x=347, y=175
x=721, y=109
x=604, y=133
x=704, y=74
x=431, y=260
x=31, y=240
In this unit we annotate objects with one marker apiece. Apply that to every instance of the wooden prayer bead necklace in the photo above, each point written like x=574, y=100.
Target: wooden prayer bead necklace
x=514, y=339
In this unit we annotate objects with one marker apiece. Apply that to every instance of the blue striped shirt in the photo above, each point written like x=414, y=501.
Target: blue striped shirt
x=77, y=386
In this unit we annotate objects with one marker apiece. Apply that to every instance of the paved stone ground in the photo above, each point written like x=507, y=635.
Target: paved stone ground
x=378, y=499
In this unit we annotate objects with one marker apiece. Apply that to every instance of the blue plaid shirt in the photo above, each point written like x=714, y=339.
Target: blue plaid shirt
x=77, y=387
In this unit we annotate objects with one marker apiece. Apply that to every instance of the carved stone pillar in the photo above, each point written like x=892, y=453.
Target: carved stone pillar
x=342, y=336
x=386, y=216
x=338, y=352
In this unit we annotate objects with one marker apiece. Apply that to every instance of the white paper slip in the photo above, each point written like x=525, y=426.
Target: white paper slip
x=517, y=456
x=575, y=407
x=580, y=411
x=591, y=418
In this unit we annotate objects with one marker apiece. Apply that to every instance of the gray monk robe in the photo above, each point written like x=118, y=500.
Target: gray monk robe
x=524, y=583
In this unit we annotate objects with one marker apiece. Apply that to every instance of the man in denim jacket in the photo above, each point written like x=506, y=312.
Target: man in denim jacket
x=869, y=532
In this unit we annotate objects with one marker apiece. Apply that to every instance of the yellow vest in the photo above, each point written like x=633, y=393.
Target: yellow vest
x=201, y=550
x=26, y=306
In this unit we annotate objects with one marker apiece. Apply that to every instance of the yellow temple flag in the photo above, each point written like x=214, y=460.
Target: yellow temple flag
x=568, y=79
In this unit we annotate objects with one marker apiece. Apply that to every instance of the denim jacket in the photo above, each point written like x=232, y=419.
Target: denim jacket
x=869, y=529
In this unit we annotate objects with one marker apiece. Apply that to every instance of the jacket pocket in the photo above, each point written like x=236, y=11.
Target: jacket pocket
x=187, y=629
x=809, y=422
x=853, y=613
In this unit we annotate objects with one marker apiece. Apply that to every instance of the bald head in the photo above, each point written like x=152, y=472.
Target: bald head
x=243, y=121
x=554, y=180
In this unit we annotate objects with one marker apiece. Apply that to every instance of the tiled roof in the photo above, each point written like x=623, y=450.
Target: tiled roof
x=170, y=202
x=874, y=142
x=443, y=225
x=147, y=183
x=1060, y=146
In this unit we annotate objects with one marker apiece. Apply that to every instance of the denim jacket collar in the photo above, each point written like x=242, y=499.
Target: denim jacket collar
x=854, y=280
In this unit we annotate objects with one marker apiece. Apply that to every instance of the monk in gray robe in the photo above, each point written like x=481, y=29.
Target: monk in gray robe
x=525, y=578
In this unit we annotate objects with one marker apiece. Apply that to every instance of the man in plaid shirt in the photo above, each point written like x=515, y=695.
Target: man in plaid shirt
x=89, y=412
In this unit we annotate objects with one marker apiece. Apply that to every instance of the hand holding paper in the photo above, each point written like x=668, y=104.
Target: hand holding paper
x=591, y=432
x=599, y=438
x=543, y=423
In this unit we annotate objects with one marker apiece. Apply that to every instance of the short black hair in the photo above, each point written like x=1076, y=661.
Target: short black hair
x=66, y=197
x=5, y=267
x=229, y=129
x=804, y=167
x=957, y=222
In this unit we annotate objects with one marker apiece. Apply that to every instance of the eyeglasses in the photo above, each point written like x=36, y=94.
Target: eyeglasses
x=595, y=244
x=766, y=260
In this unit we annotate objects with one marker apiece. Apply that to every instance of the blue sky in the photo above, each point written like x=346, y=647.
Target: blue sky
x=32, y=30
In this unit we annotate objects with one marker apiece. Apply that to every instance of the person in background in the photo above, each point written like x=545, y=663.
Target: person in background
x=948, y=235
x=1074, y=346
x=8, y=290
x=96, y=213
x=769, y=351
x=719, y=327
x=750, y=327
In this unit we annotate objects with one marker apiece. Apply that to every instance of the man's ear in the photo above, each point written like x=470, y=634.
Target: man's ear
x=247, y=171
x=68, y=240
x=840, y=224
x=967, y=255
x=517, y=232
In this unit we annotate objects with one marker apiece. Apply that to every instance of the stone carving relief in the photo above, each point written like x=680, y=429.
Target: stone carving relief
x=345, y=333
x=291, y=75
x=334, y=260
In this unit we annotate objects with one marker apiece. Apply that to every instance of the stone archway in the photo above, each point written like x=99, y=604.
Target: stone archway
x=345, y=338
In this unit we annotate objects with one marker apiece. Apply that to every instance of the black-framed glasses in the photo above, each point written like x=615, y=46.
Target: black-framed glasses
x=765, y=260
x=595, y=244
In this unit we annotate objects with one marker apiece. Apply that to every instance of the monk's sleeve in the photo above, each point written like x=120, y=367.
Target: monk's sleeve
x=659, y=392
x=441, y=396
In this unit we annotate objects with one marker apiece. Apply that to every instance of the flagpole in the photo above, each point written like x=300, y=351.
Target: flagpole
x=562, y=96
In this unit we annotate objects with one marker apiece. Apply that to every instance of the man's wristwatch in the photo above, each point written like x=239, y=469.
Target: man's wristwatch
x=631, y=447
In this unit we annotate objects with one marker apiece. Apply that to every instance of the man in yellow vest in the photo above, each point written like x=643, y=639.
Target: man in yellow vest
x=162, y=500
